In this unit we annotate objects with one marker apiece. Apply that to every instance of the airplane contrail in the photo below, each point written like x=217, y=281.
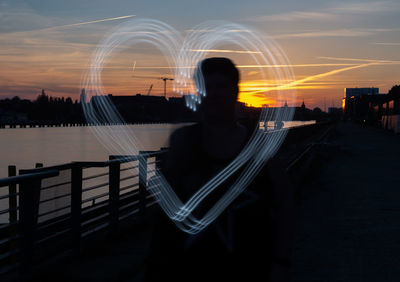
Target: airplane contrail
x=313, y=77
x=325, y=74
x=90, y=22
x=71, y=25
x=360, y=60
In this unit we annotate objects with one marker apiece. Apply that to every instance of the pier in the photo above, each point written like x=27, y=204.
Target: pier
x=63, y=124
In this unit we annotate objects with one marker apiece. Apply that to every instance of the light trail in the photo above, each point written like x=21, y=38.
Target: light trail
x=134, y=66
x=118, y=139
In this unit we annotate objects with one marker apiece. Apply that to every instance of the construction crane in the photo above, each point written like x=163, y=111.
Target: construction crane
x=148, y=92
x=162, y=78
x=165, y=85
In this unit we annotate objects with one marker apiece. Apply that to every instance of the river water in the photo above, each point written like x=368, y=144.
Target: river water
x=24, y=147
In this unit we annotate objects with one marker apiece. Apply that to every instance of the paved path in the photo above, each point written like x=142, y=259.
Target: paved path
x=349, y=220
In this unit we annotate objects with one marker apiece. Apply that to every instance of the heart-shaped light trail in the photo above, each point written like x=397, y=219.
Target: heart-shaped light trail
x=178, y=51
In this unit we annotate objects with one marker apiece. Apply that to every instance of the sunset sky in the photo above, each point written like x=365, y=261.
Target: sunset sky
x=330, y=44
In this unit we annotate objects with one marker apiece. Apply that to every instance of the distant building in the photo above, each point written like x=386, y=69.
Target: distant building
x=137, y=99
x=146, y=108
x=303, y=106
x=82, y=97
x=359, y=102
x=355, y=92
x=300, y=112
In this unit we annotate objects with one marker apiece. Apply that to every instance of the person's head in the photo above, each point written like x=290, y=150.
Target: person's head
x=221, y=78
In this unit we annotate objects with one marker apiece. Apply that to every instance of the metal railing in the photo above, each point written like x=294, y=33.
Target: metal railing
x=15, y=240
x=54, y=208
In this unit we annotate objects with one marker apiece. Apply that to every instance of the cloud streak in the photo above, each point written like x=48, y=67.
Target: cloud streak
x=333, y=12
x=223, y=51
x=361, y=60
x=296, y=15
x=301, y=83
x=257, y=88
x=321, y=75
x=366, y=7
x=333, y=33
x=387, y=43
x=258, y=66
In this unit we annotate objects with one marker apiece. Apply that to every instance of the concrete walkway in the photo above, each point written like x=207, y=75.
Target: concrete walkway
x=349, y=220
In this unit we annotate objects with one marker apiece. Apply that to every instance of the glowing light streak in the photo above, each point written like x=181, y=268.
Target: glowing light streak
x=120, y=140
x=134, y=66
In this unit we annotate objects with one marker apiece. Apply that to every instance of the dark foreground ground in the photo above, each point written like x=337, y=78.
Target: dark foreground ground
x=349, y=219
x=348, y=225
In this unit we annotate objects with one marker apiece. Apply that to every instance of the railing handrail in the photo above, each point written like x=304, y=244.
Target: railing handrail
x=25, y=177
x=89, y=164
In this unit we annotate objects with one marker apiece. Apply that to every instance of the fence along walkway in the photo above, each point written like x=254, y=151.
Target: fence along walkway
x=86, y=197
x=53, y=209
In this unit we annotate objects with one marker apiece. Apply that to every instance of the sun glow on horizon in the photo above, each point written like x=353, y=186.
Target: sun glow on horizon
x=258, y=93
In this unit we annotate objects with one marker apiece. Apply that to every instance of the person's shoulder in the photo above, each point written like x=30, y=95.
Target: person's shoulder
x=185, y=134
x=183, y=149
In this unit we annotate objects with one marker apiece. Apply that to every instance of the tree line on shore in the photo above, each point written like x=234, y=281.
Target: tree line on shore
x=134, y=109
x=43, y=109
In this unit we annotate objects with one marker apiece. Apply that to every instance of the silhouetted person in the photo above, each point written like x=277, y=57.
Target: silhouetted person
x=251, y=240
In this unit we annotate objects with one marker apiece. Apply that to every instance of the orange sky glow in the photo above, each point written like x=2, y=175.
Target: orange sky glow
x=40, y=51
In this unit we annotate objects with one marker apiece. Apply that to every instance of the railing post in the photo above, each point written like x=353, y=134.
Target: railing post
x=76, y=207
x=142, y=182
x=12, y=204
x=29, y=195
x=114, y=185
x=12, y=191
